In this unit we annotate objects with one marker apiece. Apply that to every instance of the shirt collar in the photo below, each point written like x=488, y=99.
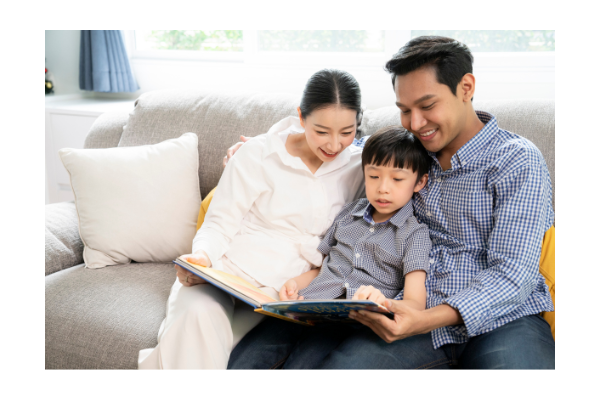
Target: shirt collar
x=473, y=147
x=365, y=210
x=291, y=125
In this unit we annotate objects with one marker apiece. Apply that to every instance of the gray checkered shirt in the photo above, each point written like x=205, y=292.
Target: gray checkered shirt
x=362, y=252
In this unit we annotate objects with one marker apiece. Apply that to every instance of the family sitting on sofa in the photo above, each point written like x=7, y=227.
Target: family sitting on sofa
x=441, y=220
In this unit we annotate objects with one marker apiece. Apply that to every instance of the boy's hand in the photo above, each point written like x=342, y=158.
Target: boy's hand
x=369, y=293
x=289, y=291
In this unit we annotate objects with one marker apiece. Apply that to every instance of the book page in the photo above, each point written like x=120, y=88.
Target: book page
x=236, y=283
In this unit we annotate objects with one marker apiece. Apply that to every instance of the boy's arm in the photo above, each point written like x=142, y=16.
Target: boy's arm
x=289, y=290
x=306, y=278
x=415, y=294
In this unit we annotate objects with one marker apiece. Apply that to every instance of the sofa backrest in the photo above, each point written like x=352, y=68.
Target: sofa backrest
x=220, y=118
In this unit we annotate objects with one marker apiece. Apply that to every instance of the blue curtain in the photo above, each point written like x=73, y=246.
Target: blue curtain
x=103, y=63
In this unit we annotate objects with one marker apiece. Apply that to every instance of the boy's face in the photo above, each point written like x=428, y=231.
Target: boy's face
x=429, y=110
x=389, y=189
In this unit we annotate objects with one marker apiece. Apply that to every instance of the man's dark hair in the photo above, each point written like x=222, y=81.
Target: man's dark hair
x=396, y=146
x=331, y=87
x=450, y=59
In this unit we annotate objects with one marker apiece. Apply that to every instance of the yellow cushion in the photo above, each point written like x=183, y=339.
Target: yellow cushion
x=546, y=258
x=204, y=208
x=547, y=270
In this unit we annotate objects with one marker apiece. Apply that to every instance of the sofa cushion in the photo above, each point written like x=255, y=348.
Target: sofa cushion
x=136, y=203
x=101, y=318
x=532, y=119
x=64, y=247
x=217, y=118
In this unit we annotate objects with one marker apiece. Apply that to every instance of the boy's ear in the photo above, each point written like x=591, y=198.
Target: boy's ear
x=300, y=116
x=421, y=183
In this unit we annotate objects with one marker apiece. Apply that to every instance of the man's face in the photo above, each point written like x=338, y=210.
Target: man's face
x=429, y=110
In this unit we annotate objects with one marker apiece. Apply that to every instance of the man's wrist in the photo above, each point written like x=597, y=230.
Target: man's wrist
x=438, y=317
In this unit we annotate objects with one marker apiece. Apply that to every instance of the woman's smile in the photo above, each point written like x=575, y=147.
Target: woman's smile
x=328, y=155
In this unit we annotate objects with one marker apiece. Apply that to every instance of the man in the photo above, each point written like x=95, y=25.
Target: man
x=487, y=205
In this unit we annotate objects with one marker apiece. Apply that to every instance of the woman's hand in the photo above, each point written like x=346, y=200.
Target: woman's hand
x=289, y=291
x=231, y=151
x=369, y=293
x=186, y=277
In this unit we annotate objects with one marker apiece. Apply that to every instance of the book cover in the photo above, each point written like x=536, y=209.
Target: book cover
x=307, y=312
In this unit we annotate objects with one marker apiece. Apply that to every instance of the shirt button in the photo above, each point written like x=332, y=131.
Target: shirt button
x=372, y=229
x=357, y=255
x=439, y=180
x=431, y=261
x=429, y=214
x=347, y=285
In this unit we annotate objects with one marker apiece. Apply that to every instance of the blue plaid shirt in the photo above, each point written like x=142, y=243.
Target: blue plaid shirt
x=487, y=216
x=362, y=252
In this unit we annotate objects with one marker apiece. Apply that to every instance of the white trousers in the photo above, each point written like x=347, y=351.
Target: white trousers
x=197, y=332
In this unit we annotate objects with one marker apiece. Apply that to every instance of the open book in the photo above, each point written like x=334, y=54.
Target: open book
x=307, y=312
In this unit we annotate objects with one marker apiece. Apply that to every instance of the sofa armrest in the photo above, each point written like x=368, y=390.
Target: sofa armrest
x=64, y=248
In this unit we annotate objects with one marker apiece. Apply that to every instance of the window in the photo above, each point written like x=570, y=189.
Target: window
x=499, y=41
x=508, y=64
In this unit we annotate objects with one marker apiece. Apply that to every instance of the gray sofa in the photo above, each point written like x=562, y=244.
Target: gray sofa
x=101, y=318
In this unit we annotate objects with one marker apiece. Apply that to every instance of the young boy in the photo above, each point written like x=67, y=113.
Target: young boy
x=375, y=248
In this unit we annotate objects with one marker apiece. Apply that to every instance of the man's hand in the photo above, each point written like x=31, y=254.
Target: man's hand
x=369, y=293
x=186, y=277
x=289, y=291
x=231, y=151
x=407, y=321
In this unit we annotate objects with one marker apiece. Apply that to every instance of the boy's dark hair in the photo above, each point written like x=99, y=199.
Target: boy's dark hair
x=450, y=59
x=329, y=87
x=396, y=145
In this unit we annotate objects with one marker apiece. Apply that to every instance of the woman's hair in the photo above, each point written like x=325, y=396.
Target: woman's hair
x=330, y=87
x=396, y=146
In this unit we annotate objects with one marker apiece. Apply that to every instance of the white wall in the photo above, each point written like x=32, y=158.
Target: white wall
x=62, y=60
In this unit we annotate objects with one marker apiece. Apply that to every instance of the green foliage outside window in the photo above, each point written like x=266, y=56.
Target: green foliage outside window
x=197, y=40
x=499, y=41
x=319, y=41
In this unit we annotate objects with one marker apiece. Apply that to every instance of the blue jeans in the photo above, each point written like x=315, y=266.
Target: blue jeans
x=525, y=343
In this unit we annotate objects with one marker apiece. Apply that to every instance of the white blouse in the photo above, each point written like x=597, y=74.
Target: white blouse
x=269, y=210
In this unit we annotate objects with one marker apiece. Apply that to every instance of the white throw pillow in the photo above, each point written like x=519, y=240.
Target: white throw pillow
x=136, y=203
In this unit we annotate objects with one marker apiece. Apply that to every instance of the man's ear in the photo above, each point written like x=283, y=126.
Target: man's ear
x=421, y=183
x=300, y=116
x=466, y=87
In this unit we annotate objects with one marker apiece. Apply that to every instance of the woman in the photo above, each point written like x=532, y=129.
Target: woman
x=275, y=198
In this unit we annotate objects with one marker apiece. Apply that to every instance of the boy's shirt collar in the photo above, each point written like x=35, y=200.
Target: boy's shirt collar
x=365, y=210
x=473, y=147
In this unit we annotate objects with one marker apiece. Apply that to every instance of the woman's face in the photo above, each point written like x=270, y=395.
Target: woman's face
x=329, y=131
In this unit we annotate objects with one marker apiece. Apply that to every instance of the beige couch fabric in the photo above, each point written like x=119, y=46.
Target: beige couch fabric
x=101, y=318
x=64, y=247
